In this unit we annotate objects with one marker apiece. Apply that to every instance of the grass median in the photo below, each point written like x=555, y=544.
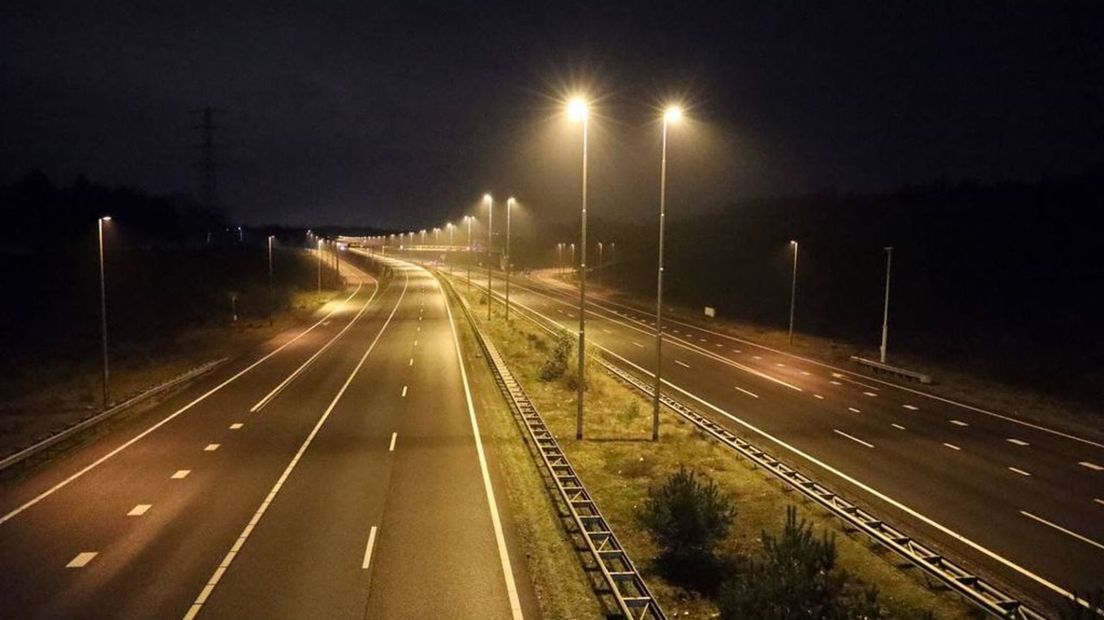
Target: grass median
x=619, y=463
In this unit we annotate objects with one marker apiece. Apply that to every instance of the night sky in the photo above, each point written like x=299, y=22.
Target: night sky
x=404, y=114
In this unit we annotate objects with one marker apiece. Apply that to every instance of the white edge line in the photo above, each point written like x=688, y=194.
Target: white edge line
x=217, y=575
x=1084, y=539
x=853, y=438
x=48, y=492
x=503, y=553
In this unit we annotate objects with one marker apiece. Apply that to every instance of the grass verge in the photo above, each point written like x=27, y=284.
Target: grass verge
x=618, y=463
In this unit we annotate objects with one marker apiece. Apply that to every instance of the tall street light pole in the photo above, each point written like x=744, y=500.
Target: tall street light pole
x=885, y=314
x=598, y=271
x=578, y=111
x=559, y=258
x=452, y=247
x=469, y=219
x=270, y=282
x=793, y=290
x=103, y=307
x=509, y=203
x=490, y=249
x=319, y=265
x=670, y=115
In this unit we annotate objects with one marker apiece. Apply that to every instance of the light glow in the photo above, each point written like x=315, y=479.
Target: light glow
x=672, y=114
x=577, y=109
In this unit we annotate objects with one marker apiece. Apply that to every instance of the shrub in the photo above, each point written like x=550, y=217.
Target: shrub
x=687, y=516
x=555, y=364
x=795, y=578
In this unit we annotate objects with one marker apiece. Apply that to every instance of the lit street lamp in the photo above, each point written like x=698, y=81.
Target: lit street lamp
x=320, y=265
x=577, y=109
x=793, y=290
x=671, y=115
x=509, y=203
x=885, y=315
x=490, y=247
x=598, y=271
x=452, y=248
x=270, y=264
x=103, y=305
x=469, y=219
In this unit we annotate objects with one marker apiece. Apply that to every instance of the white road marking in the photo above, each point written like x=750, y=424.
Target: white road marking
x=952, y=446
x=368, y=549
x=898, y=426
x=1084, y=539
x=720, y=345
x=682, y=363
x=1092, y=466
x=911, y=407
x=638, y=344
x=1018, y=442
x=1099, y=501
x=606, y=330
x=211, y=447
x=871, y=394
x=302, y=367
x=411, y=362
x=780, y=364
x=139, y=510
x=958, y=423
x=756, y=357
x=853, y=410
x=394, y=436
x=702, y=340
x=1018, y=471
x=181, y=473
x=751, y=394
x=415, y=342
x=48, y=492
x=818, y=397
x=806, y=373
x=82, y=559
x=404, y=392
x=197, y=605
x=835, y=383
x=236, y=426
x=736, y=351
x=843, y=377
x=496, y=521
x=853, y=438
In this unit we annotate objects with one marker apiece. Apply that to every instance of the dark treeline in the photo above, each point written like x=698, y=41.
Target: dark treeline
x=1000, y=279
x=170, y=263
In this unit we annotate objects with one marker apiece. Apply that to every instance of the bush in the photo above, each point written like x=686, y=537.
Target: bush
x=555, y=364
x=796, y=578
x=687, y=516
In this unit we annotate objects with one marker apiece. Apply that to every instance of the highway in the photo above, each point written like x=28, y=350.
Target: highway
x=1011, y=498
x=338, y=472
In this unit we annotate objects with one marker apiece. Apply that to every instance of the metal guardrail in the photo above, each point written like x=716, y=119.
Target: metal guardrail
x=893, y=370
x=976, y=589
x=68, y=432
x=620, y=581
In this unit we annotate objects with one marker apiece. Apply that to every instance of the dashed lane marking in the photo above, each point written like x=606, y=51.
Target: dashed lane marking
x=394, y=436
x=853, y=410
x=82, y=559
x=958, y=423
x=181, y=474
x=368, y=549
x=404, y=392
x=236, y=426
x=1018, y=442
x=952, y=446
x=1083, y=539
x=1018, y=471
x=853, y=438
x=911, y=407
x=211, y=447
x=139, y=510
x=898, y=426
x=1092, y=466
x=751, y=394
x=818, y=397
x=682, y=363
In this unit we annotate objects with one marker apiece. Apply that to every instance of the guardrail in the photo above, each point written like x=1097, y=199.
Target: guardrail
x=60, y=436
x=620, y=582
x=979, y=591
x=893, y=370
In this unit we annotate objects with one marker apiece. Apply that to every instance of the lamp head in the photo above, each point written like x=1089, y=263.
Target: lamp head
x=672, y=114
x=106, y=218
x=577, y=109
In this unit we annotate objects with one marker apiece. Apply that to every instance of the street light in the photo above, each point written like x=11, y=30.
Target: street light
x=320, y=265
x=793, y=290
x=469, y=219
x=270, y=264
x=885, y=315
x=490, y=246
x=103, y=305
x=452, y=247
x=509, y=203
x=559, y=258
x=598, y=271
x=577, y=109
x=671, y=115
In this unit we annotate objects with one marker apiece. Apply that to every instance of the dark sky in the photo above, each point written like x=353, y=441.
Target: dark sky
x=404, y=114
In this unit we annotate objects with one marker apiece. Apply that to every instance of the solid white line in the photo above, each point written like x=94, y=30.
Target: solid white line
x=952, y=446
x=287, y=380
x=54, y=489
x=959, y=423
x=1084, y=539
x=236, y=426
x=394, y=436
x=197, y=605
x=852, y=438
x=503, y=553
x=181, y=473
x=911, y=407
x=683, y=364
x=751, y=394
x=1092, y=466
x=211, y=447
x=853, y=410
x=139, y=510
x=898, y=426
x=404, y=392
x=1018, y=471
x=82, y=559
x=1018, y=442
x=368, y=548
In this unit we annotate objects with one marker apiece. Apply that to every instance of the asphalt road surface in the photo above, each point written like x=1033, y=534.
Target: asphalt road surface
x=336, y=473
x=1012, y=498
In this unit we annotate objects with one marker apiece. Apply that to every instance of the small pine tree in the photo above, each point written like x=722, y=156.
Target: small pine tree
x=796, y=578
x=555, y=364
